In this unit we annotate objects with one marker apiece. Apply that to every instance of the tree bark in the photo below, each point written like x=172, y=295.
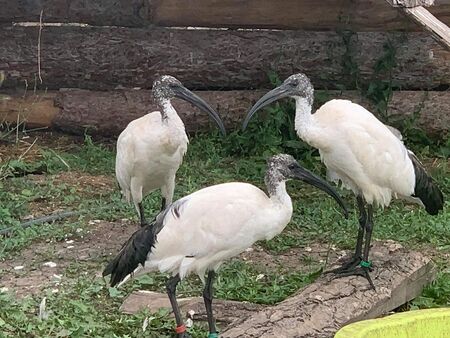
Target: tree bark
x=323, y=307
x=107, y=58
x=358, y=15
x=108, y=113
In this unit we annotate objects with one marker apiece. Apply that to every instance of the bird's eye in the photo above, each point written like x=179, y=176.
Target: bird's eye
x=291, y=166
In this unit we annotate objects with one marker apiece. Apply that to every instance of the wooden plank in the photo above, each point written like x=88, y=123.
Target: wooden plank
x=225, y=311
x=428, y=21
x=323, y=307
x=104, y=58
x=410, y=3
x=108, y=113
x=359, y=15
x=95, y=12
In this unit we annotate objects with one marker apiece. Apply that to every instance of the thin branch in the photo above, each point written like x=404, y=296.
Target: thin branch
x=39, y=46
x=26, y=151
x=40, y=220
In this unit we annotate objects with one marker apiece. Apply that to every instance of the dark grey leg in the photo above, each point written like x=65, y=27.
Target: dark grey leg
x=208, y=297
x=163, y=204
x=141, y=212
x=171, y=287
x=365, y=263
x=356, y=258
x=365, y=266
x=362, y=224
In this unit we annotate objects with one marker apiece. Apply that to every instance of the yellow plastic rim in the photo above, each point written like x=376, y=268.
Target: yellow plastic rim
x=431, y=323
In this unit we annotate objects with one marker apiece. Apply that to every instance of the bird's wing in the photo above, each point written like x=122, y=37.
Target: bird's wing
x=211, y=220
x=364, y=149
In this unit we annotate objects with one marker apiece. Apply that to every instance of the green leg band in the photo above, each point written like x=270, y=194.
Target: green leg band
x=213, y=335
x=365, y=264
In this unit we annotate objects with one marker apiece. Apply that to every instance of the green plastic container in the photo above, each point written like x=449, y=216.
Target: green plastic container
x=432, y=323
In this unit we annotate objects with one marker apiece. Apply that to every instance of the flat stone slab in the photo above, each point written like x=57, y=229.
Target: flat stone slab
x=225, y=311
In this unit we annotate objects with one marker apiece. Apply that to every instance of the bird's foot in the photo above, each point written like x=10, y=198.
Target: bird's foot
x=184, y=335
x=348, y=264
x=181, y=332
x=362, y=270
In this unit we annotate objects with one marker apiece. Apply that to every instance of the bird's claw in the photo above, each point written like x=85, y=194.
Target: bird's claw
x=348, y=265
x=184, y=335
x=357, y=271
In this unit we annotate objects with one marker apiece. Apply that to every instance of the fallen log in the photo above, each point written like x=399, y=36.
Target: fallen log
x=323, y=307
x=108, y=113
x=105, y=58
x=288, y=14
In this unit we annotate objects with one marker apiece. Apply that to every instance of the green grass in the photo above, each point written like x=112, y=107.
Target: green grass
x=86, y=307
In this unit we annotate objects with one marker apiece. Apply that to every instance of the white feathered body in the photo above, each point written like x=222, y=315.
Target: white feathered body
x=214, y=224
x=358, y=150
x=149, y=152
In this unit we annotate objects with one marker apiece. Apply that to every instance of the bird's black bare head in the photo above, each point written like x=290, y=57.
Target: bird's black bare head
x=167, y=87
x=283, y=167
x=300, y=86
x=297, y=86
x=163, y=87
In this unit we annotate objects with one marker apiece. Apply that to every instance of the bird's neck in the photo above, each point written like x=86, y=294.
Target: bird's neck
x=303, y=117
x=276, y=187
x=168, y=112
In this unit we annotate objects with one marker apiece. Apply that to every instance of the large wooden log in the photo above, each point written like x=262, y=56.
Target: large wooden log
x=108, y=113
x=360, y=15
x=323, y=307
x=106, y=58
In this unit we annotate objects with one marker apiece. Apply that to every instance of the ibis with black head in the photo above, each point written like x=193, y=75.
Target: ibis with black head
x=363, y=154
x=151, y=148
x=199, y=231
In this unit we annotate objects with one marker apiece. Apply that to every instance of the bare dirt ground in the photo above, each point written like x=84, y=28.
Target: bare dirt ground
x=43, y=265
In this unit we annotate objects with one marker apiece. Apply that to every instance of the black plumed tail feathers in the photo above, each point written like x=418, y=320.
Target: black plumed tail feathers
x=134, y=251
x=425, y=188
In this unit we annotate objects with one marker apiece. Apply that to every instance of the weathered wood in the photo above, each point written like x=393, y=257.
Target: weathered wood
x=106, y=58
x=133, y=13
x=429, y=22
x=359, y=15
x=107, y=113
x=410, y=3
x=225, y=311
x=323, y=307
x=34, y=109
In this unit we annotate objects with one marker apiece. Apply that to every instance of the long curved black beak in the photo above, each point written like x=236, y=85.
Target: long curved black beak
x=305, y=175
x=185, y=94
x=274, y=95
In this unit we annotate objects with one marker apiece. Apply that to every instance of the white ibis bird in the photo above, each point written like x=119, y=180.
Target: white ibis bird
x=151, y=148
x=199, y=231
x=362, y=153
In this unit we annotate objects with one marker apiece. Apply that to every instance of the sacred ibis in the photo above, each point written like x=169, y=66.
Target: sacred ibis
x=151, y=148
x=199, y=231
x=362, y=153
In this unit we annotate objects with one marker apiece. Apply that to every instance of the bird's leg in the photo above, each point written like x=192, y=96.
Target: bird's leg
x=141, y=214
x=163, y=204
x=365, y=266
x=167, y=191
x=208, y=297
x=355, y=260
x=171, y=287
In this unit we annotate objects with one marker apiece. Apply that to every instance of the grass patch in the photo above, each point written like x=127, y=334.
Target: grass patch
x=87, y=307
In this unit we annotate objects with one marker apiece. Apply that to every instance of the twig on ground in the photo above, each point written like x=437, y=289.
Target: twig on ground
x=40, y=220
